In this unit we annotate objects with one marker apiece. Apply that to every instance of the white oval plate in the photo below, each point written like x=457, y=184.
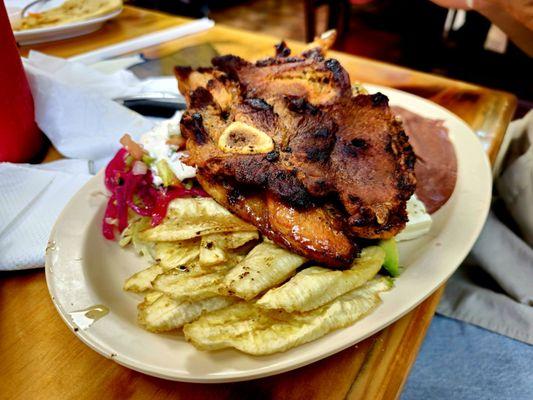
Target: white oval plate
x=59, y=32
x=83, y=269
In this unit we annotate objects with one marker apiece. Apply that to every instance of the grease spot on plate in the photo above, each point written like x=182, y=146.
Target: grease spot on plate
x=51, y=246
x=85, y=318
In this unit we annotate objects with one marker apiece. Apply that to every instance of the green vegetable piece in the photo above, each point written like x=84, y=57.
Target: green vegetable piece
x=165, y=173
x=129, y=160
x=392, y=257
x=147, y=159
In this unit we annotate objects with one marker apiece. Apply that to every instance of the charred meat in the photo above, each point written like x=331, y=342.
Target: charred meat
x=285, y=144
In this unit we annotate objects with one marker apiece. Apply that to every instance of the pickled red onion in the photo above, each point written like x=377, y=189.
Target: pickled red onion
x=131, y=190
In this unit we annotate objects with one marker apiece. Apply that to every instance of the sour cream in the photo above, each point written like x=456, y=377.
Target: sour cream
x=155, y=143
x=419, y=220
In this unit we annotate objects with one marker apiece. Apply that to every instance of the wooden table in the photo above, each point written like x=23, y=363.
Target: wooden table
x=40, y=358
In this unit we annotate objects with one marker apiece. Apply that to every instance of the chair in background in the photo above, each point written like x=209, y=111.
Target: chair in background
x=338, y=16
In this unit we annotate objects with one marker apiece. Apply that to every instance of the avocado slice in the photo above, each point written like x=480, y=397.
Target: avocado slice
x=147, y=159
x=392, y=257
x=165, y=173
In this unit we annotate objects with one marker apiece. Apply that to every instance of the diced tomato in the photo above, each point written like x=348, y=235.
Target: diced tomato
x=134, y=148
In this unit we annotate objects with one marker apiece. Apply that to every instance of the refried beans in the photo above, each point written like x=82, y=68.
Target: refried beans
x=436, y=164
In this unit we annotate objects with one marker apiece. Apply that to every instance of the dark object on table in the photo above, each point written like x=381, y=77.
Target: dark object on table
x=163, y=107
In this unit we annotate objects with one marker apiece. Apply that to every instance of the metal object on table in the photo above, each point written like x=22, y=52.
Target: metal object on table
x=155, y=104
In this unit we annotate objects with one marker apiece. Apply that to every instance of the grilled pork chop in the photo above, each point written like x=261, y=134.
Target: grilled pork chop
x=284, y=144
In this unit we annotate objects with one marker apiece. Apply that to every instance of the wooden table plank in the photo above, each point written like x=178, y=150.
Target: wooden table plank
x=42, y=359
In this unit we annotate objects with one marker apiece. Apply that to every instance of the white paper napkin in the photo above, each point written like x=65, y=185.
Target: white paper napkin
x=31, y=198
x=73, y=106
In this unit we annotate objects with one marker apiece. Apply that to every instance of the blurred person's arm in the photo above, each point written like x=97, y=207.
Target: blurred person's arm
x=514, y=17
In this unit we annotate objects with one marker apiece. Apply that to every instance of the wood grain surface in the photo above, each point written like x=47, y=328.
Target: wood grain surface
x=42, y=359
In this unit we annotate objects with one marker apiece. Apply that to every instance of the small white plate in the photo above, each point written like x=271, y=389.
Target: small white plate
x=83, y=270
x=59, y=32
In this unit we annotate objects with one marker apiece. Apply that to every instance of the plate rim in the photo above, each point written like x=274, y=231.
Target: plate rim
x=269, y=370
x=60, y=28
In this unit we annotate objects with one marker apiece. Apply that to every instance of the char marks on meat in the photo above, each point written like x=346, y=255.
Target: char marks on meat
x=340, y=168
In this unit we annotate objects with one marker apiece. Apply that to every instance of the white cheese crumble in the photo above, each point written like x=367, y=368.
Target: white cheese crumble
x=419, y=220
x=155, y=143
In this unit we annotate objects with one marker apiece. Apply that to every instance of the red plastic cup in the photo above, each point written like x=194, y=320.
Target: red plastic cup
x=20, y=138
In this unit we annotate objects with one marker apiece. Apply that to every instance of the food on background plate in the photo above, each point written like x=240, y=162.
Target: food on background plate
x=270, y=226
x=69, y=12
